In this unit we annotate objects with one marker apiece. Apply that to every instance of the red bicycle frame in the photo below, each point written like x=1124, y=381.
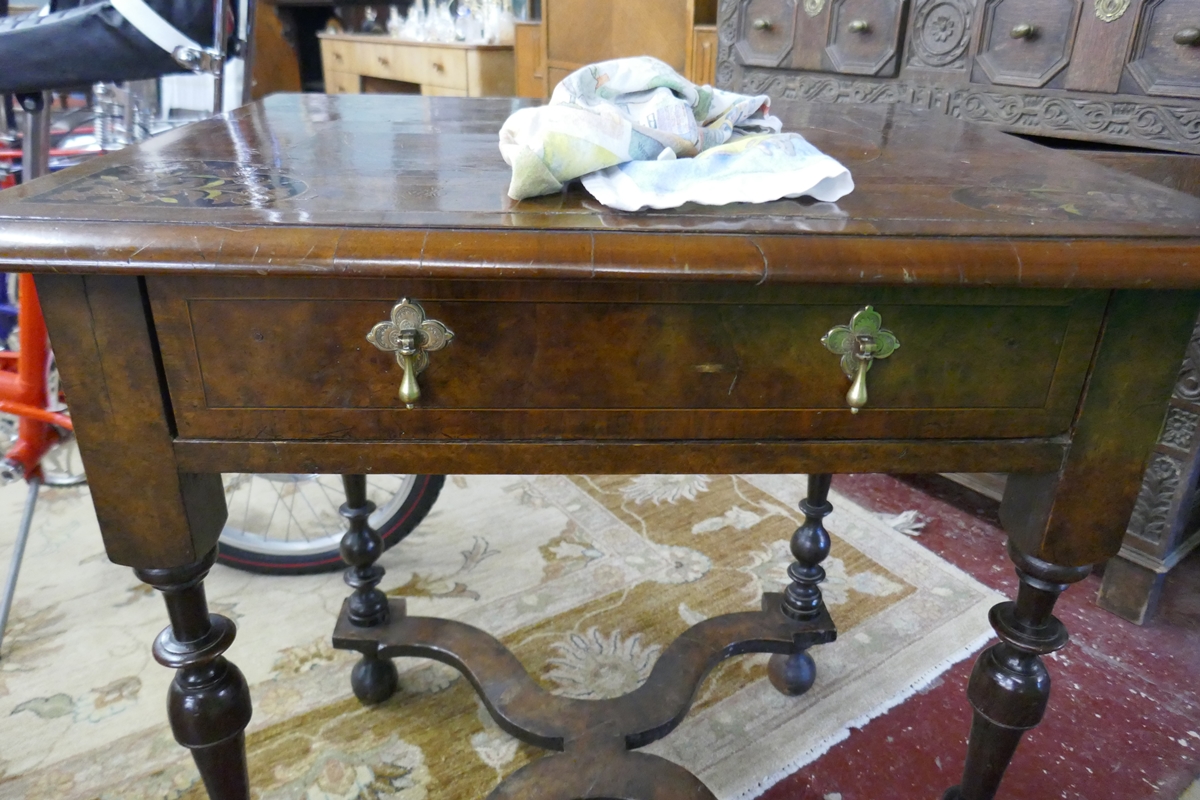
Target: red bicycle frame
x=23, y=388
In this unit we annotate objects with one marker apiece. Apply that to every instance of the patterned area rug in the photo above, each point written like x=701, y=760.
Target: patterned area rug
x=586, y=579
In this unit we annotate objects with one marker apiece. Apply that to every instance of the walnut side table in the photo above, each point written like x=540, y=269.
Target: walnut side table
x=210, y=294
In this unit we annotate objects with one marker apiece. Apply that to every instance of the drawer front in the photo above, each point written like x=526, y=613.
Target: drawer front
x=337, y=56
x=1166, y=53
x=445, y=67
x=342, y=82
x=1026, y=42
x=260, y=360
x=864, y=36
x=766, y=32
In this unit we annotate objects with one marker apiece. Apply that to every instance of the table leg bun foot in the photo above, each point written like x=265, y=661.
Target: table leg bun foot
x=1009, y=687
x=792, y=675
x=953, y=793
x=374, y=679
x=208, y=703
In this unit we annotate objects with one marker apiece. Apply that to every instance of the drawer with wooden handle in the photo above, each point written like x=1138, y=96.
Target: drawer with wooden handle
x=766, y=31
x=1165, y=58
x=317, y=360
x=338, y=56
x=1025, y=42
x=434, y=66
x=864, y=37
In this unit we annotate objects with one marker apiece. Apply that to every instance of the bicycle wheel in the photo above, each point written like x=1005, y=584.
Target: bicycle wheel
x=289, y=524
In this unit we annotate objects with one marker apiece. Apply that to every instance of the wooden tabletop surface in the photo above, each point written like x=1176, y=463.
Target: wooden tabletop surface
x=401, y=185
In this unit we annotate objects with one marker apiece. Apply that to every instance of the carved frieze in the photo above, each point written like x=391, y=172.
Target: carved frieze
x=1144, y=123
x=1179, y=428
x=1187, y=386
x=941, y=33
x=1149, y=520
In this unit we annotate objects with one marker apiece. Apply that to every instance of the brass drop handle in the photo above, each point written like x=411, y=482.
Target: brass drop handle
x=859, y=344
x=1188, y=37
x=859, y=26
x=1023, y=31
x=412, y=338
x=762, y=24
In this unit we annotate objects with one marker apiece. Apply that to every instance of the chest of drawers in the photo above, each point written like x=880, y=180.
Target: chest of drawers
x=1114, y=71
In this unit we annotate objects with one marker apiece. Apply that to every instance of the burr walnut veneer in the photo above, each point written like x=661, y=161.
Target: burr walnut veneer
x=209, y=294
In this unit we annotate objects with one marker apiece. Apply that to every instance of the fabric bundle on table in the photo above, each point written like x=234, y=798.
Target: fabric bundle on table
x=642, y=136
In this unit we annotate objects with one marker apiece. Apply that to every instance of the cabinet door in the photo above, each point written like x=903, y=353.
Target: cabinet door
x=1026, y=42
x=864, y=35
x=1166, y=50
x=766, y=29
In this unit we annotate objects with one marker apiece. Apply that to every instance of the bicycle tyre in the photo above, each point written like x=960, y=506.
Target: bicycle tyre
x=408, y=513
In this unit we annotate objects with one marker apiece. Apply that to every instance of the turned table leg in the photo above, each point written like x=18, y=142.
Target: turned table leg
x=374, y=679
x=1010, y=687
x=794, y=674
x=208, y=703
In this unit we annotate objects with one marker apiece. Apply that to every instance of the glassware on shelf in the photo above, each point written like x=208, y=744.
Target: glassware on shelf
x=472, y=21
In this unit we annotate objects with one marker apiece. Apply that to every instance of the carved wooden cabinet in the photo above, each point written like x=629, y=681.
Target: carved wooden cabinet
x=1115, y=71
x=1165, y=524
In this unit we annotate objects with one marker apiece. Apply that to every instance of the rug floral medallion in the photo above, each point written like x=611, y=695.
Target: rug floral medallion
x=585, y=578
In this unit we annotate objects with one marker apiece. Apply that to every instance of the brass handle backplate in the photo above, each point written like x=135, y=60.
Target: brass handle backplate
x=859, y=26
x=1023, y=31
x=1188, y=37
x=412, y=338
x=859, y=344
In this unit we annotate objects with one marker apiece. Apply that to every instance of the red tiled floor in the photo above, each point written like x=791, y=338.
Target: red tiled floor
x=1124, y=717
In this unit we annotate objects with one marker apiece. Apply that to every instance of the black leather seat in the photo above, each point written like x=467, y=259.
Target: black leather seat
x=92, y=42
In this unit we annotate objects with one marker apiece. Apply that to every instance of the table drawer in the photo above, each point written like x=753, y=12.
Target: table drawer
x=251, y=359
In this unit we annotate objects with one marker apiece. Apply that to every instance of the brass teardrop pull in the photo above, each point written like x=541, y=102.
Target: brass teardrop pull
x=859, y=344
x=412, y=338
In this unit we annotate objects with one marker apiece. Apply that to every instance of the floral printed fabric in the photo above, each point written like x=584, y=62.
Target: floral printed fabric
x=643, y=136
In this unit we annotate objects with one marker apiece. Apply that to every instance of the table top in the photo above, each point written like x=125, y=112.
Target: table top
x=383, y=38
x=401, y=185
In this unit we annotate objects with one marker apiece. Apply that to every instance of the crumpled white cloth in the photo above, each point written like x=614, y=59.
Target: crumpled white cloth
x=642, y=136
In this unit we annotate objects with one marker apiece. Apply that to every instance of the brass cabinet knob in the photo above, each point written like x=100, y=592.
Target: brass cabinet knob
x=859, y=344
x=1023, y=31
x=763, y=24
x=859, y=26
x=1188, y=37
x=412, y=338
x=438, y=67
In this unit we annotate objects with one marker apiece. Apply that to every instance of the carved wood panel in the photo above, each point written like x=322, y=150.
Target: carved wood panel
x=1166, y=52
x=864, y=36
x=941, y=34
x=1026, y=42
x=939, y=53
x=766, y=29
